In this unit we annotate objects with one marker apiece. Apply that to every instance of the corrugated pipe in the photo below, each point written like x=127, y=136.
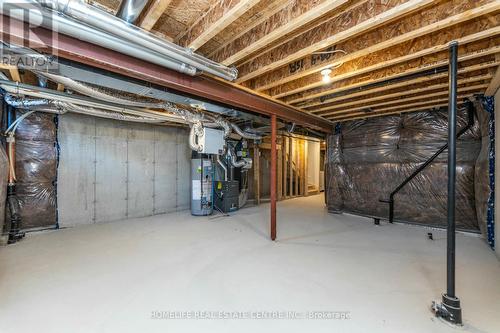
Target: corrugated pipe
x=189, y=116
x=111, y=115
x=233, y=159
x=244, y=134
x=58, y=107
x=44, y=99
x=179, y=115
x=32, y=103
x=104, y=29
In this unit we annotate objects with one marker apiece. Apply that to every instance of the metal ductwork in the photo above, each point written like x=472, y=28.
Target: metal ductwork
x=105, y=105
x=188, y=116
x=130, y=10
x=80, y=20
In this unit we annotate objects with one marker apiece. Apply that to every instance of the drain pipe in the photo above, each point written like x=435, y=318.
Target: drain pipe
x=450, y=309
x=130, y=10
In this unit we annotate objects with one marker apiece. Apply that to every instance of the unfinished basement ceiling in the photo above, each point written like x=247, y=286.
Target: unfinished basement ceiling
x=390, y=55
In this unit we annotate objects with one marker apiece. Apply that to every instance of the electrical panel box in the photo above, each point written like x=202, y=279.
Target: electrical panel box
x=212, y=141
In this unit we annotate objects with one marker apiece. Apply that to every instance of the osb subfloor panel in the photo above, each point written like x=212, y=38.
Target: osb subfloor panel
x=110, y=277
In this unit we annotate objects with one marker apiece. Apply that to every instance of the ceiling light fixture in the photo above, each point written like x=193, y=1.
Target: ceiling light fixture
x=326, y=75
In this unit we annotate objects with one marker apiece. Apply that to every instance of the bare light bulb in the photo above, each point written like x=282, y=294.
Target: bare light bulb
x=326, y=75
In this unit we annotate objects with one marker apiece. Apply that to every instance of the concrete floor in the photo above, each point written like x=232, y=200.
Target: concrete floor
x=112, y=277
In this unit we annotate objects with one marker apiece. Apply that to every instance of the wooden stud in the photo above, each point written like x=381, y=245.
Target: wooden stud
x=289, y=153
x=256, y=174
x=297, y=168
x=279, y=175
x=305, y=179
x=326, y=34
x=153, y=13
x=290, y=173
x=285, y=166
x=219, y=17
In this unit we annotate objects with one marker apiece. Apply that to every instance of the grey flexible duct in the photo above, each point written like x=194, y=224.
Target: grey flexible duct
x=189, y=116
x=32, y=103
x=233, y=159
x=111, y=115
x=244, y=134
x=58, y=107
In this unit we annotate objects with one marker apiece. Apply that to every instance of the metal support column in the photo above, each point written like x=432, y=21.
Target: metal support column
x=450, y=309
x=273, y=177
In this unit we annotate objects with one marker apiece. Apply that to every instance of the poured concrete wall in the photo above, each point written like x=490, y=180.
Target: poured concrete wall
x=111, y=170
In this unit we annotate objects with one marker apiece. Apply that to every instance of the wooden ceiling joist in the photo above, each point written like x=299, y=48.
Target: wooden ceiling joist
x=271, y=8
x=385, y=64
x=400, y=110
x=416, y=81
x=294, y=15
x=327, y=34
x=14, y=74
x=310, y=79
x=153, y=13
x=422, y=97
x=342, y=102
x=219, y=17
x=422, y=103
x=327, y=90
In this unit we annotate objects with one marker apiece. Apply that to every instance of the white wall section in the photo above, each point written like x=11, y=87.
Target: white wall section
x=111, y=170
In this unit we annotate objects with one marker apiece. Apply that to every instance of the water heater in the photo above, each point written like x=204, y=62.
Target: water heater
x=201, y=184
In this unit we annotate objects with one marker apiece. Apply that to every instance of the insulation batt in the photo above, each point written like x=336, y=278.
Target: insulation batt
x=36, y=170
x=367, y=159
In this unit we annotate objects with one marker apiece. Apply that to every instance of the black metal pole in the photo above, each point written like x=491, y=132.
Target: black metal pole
x=452, y=162
x=450, y=309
